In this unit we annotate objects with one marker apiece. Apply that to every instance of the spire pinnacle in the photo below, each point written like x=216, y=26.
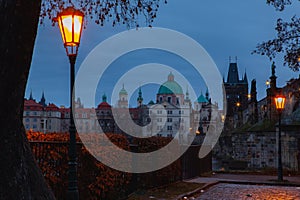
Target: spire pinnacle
x=207, y=94
x=140, y=97
x=30, y=97
x=245, y=77
x=171, y=77
x=104, y=98
x=273, y=68
x=43, y=100
x=123, y=91
x=187, y=94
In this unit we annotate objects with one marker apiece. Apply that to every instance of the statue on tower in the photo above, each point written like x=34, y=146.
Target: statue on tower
x=273, y=69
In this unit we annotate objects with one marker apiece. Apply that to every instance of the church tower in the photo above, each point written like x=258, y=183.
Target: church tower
x=123, y=98
x=236, y=92
x=187, y=100
x=140, y=98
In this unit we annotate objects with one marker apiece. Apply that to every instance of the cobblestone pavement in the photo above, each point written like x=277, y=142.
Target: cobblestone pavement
x=225, y=191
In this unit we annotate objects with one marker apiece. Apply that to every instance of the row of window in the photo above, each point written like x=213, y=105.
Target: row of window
x=33, y=119
x=36, y=119
x=169, y=112
x=34, y=113
x=169, y=99
x=34, y=126
x=27, y=126
x=83, y=115
x=170, y=119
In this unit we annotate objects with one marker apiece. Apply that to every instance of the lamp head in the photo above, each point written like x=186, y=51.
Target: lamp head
x=70, y=22
x=280, y=102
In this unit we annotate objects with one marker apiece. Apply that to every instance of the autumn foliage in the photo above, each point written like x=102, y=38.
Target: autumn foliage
x=95, y=180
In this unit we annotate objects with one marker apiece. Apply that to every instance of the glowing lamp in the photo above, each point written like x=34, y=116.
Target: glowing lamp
x=223, y=118
x=70, y=23
x=279, y=102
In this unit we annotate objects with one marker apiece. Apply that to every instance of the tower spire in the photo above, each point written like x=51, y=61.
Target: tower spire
x=245, y=77
x=233, y=75
x=30, y=96
x=104, y=98
x=207, y=94
x=140, y=97
x=43, y=100
x=187, y=94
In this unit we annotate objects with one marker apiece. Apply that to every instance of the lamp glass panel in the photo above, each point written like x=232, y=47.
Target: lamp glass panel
x=77, y=28
x=67, y=28
x=61, y=30
x=279, y=101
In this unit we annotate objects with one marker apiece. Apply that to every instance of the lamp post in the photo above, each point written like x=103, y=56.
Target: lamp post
x=70, y=23
x=279, y=102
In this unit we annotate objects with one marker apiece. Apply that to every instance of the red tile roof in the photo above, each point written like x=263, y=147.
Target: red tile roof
x=32, y=105
x=52, y=107
x=104, y=105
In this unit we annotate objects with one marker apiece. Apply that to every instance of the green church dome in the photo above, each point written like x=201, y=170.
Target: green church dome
x=202, y=99
x=170, y=87
x=123, y=91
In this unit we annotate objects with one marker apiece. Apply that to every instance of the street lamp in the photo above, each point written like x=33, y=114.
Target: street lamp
x=70, y=23
x=249, y=96
x=267, y=83
x=279, y=102
x=223, y=118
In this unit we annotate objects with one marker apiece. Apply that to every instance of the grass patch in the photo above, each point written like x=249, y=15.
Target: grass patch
x=167, y=192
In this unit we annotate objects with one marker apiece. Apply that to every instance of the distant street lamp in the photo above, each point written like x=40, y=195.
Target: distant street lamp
x=267, y=83
x=249, y=96
x=223, y=118
x=70, y=23
x=279, y=102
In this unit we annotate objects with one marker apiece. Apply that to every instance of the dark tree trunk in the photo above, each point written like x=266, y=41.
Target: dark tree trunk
x=20, y=177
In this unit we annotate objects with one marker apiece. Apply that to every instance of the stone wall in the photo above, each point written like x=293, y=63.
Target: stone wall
x=258, y=150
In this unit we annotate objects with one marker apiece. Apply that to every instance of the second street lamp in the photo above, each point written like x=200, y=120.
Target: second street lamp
x=70, y=23
x=279, y=102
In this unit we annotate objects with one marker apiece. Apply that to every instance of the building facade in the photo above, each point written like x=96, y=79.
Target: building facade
x=171, y=115
x=41, y=117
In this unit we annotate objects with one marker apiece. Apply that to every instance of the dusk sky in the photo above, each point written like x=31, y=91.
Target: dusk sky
x=224, y=28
